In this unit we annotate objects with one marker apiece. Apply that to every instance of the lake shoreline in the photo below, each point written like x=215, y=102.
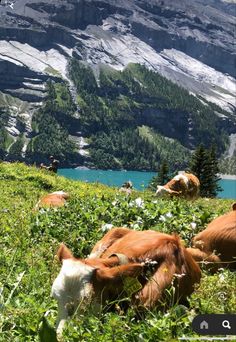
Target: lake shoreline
x=232, y=177
x=222, y=176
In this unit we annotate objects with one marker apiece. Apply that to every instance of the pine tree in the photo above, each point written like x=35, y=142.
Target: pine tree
x=197, y=166
x=163, y=174
x=161, y=178
x=204, y=165
x=213, y=171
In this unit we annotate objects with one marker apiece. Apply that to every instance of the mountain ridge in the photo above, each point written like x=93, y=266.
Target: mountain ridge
x=174, y=39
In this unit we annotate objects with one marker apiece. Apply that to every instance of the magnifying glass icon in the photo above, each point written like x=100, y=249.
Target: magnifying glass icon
x=225, y=324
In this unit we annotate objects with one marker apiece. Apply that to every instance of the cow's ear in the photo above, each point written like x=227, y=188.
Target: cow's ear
x=64, y=253
x=234, y=206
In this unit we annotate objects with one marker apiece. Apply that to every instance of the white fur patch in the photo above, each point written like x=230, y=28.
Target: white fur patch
x=183, y=177
x=161, y=190
x=72, y=288
x=62, y=193
x=73, y=282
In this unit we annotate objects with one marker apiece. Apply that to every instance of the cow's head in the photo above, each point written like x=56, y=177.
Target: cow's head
x=163, y=191
x=72, y=288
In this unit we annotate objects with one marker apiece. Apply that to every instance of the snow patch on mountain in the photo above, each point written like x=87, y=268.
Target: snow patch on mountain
x=11, y=128
x=120, y=50
x=34, y=59
x=198, y=70
x=102, y=46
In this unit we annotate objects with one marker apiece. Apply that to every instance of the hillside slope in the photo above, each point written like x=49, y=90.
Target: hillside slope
x=29, y=240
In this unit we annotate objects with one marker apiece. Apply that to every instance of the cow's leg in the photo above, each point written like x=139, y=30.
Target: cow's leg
x=208, y=259
x=154, y=289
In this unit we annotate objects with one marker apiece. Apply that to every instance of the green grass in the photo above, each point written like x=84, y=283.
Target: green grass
x=168, y=149
x=29, y=241
x=10, y=101
x=51, y=71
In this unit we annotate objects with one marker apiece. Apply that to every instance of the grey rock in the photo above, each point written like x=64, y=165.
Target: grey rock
x=191, y=42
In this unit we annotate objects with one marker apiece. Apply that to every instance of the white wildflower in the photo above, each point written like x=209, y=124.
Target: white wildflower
x=139, y=220
x=149, y=262
x=169, y=215
x=134, y=226
x=106, y=227
x=162, y=218
x=139, y=202
x=193, y=225
x=221, y=278
x=179, y=275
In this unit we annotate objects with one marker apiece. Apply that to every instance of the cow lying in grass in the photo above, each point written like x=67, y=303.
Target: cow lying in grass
x=148, y=261
x=54, y=199
x=217, y=243
x=183, y=185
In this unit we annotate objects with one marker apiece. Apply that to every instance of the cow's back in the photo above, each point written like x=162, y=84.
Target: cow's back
x=167, y=250
x=186, y=183
x=219, y=236
x=139, y=244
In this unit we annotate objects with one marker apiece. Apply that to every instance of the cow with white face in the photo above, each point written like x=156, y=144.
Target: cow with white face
x=148, y=261
x=184, y=185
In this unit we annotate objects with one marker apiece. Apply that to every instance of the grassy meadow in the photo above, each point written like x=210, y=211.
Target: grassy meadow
x=29, y=240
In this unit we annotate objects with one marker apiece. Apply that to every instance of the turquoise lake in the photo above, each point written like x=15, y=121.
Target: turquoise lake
x=139, y=179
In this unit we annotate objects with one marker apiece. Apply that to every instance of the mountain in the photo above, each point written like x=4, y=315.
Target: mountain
x=71, y=84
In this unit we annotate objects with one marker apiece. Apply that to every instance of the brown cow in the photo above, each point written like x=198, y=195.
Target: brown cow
x=183, y=185
x=152, y=260
x=54, y=199
x=217, y=243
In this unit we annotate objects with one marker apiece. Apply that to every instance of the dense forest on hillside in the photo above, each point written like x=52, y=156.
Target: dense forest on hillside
x=4, y=137
x=131, y=119
x=114, y=107
x=51, y=126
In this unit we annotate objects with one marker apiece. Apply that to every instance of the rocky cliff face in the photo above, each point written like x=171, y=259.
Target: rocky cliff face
x=191, y=42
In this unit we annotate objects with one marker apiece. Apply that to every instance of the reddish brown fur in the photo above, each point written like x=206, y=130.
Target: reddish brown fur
x=171, y=257
x=166, y=250
x=219, y=238
x=108, y=240
x=180, y=188
x=53, y=200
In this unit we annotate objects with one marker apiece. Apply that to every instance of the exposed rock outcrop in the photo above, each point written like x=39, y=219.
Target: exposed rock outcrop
x=187, y=41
